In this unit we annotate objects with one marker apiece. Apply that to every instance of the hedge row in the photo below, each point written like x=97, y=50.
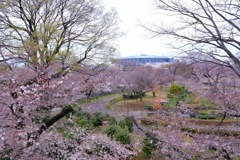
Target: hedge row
x=114, y=100
x=134, y=96
x=207, y=131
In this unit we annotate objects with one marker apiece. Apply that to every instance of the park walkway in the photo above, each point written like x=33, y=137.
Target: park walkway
x=100, y=106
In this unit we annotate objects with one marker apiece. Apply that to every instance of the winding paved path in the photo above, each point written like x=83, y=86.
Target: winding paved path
x=100, y=106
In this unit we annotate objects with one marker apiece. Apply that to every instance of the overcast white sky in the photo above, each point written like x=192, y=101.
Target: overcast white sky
x=137, y=41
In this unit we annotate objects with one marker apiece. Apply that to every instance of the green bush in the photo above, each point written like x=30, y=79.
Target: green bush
x=206, y=116
x=112, y=121
x=176, y=89
x=206, y=103
x=207, y=131
x=83, y=122
x=173, y=102
x=119, y=133
x=122, y=135
x=83, y=114
x=96, y=119
x=134, y=95
x=86, y=120
x=177, y=93
x=127, y=122
x=111, y=130
x=122, y=123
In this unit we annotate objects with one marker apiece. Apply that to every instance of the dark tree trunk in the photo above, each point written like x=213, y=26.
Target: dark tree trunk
x=141, y=94
x=34, y=135
x=54, y=119
x=154, y=95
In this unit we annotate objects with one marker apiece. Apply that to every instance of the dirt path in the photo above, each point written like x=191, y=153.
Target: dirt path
x=97, y=106
x=100, y=106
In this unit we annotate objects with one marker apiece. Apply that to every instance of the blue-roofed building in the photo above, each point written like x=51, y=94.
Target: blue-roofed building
x=144, y=59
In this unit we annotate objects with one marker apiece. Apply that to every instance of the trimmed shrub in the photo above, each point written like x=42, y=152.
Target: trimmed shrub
x=111, y=130
x=122, y=123
x=176, y=89
x=112, y=121
x=177, y=93
x=121, y=130
x=119, y=133
x=83, y=122
x=173, y=102
x=86, y=120
x=129, y=124
x=122, y=135
x=134, y=96
x=126, y=122
x=206, y=116
x=97, y=119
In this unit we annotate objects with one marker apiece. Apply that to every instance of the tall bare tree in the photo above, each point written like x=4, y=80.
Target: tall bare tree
x=42, y=43
x=209, y=27
x=41, y=33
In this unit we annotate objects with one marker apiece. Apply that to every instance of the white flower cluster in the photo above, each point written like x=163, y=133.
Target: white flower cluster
x=99, y=146
x=75, y=143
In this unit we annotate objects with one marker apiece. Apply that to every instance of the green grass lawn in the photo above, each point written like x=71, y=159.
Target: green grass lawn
x=133, y=105
x=209, y=111
x=217, y=120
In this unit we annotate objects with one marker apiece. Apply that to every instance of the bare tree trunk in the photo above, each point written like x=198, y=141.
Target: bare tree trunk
x=54, y=119
x=127, y=109
x=141, y=98
x=34, y=135
x=154, y=94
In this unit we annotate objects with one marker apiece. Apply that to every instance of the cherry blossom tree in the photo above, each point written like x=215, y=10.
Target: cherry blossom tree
x=176, y=144
x=44, y=45
x=138, y=78
x=220, y=85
